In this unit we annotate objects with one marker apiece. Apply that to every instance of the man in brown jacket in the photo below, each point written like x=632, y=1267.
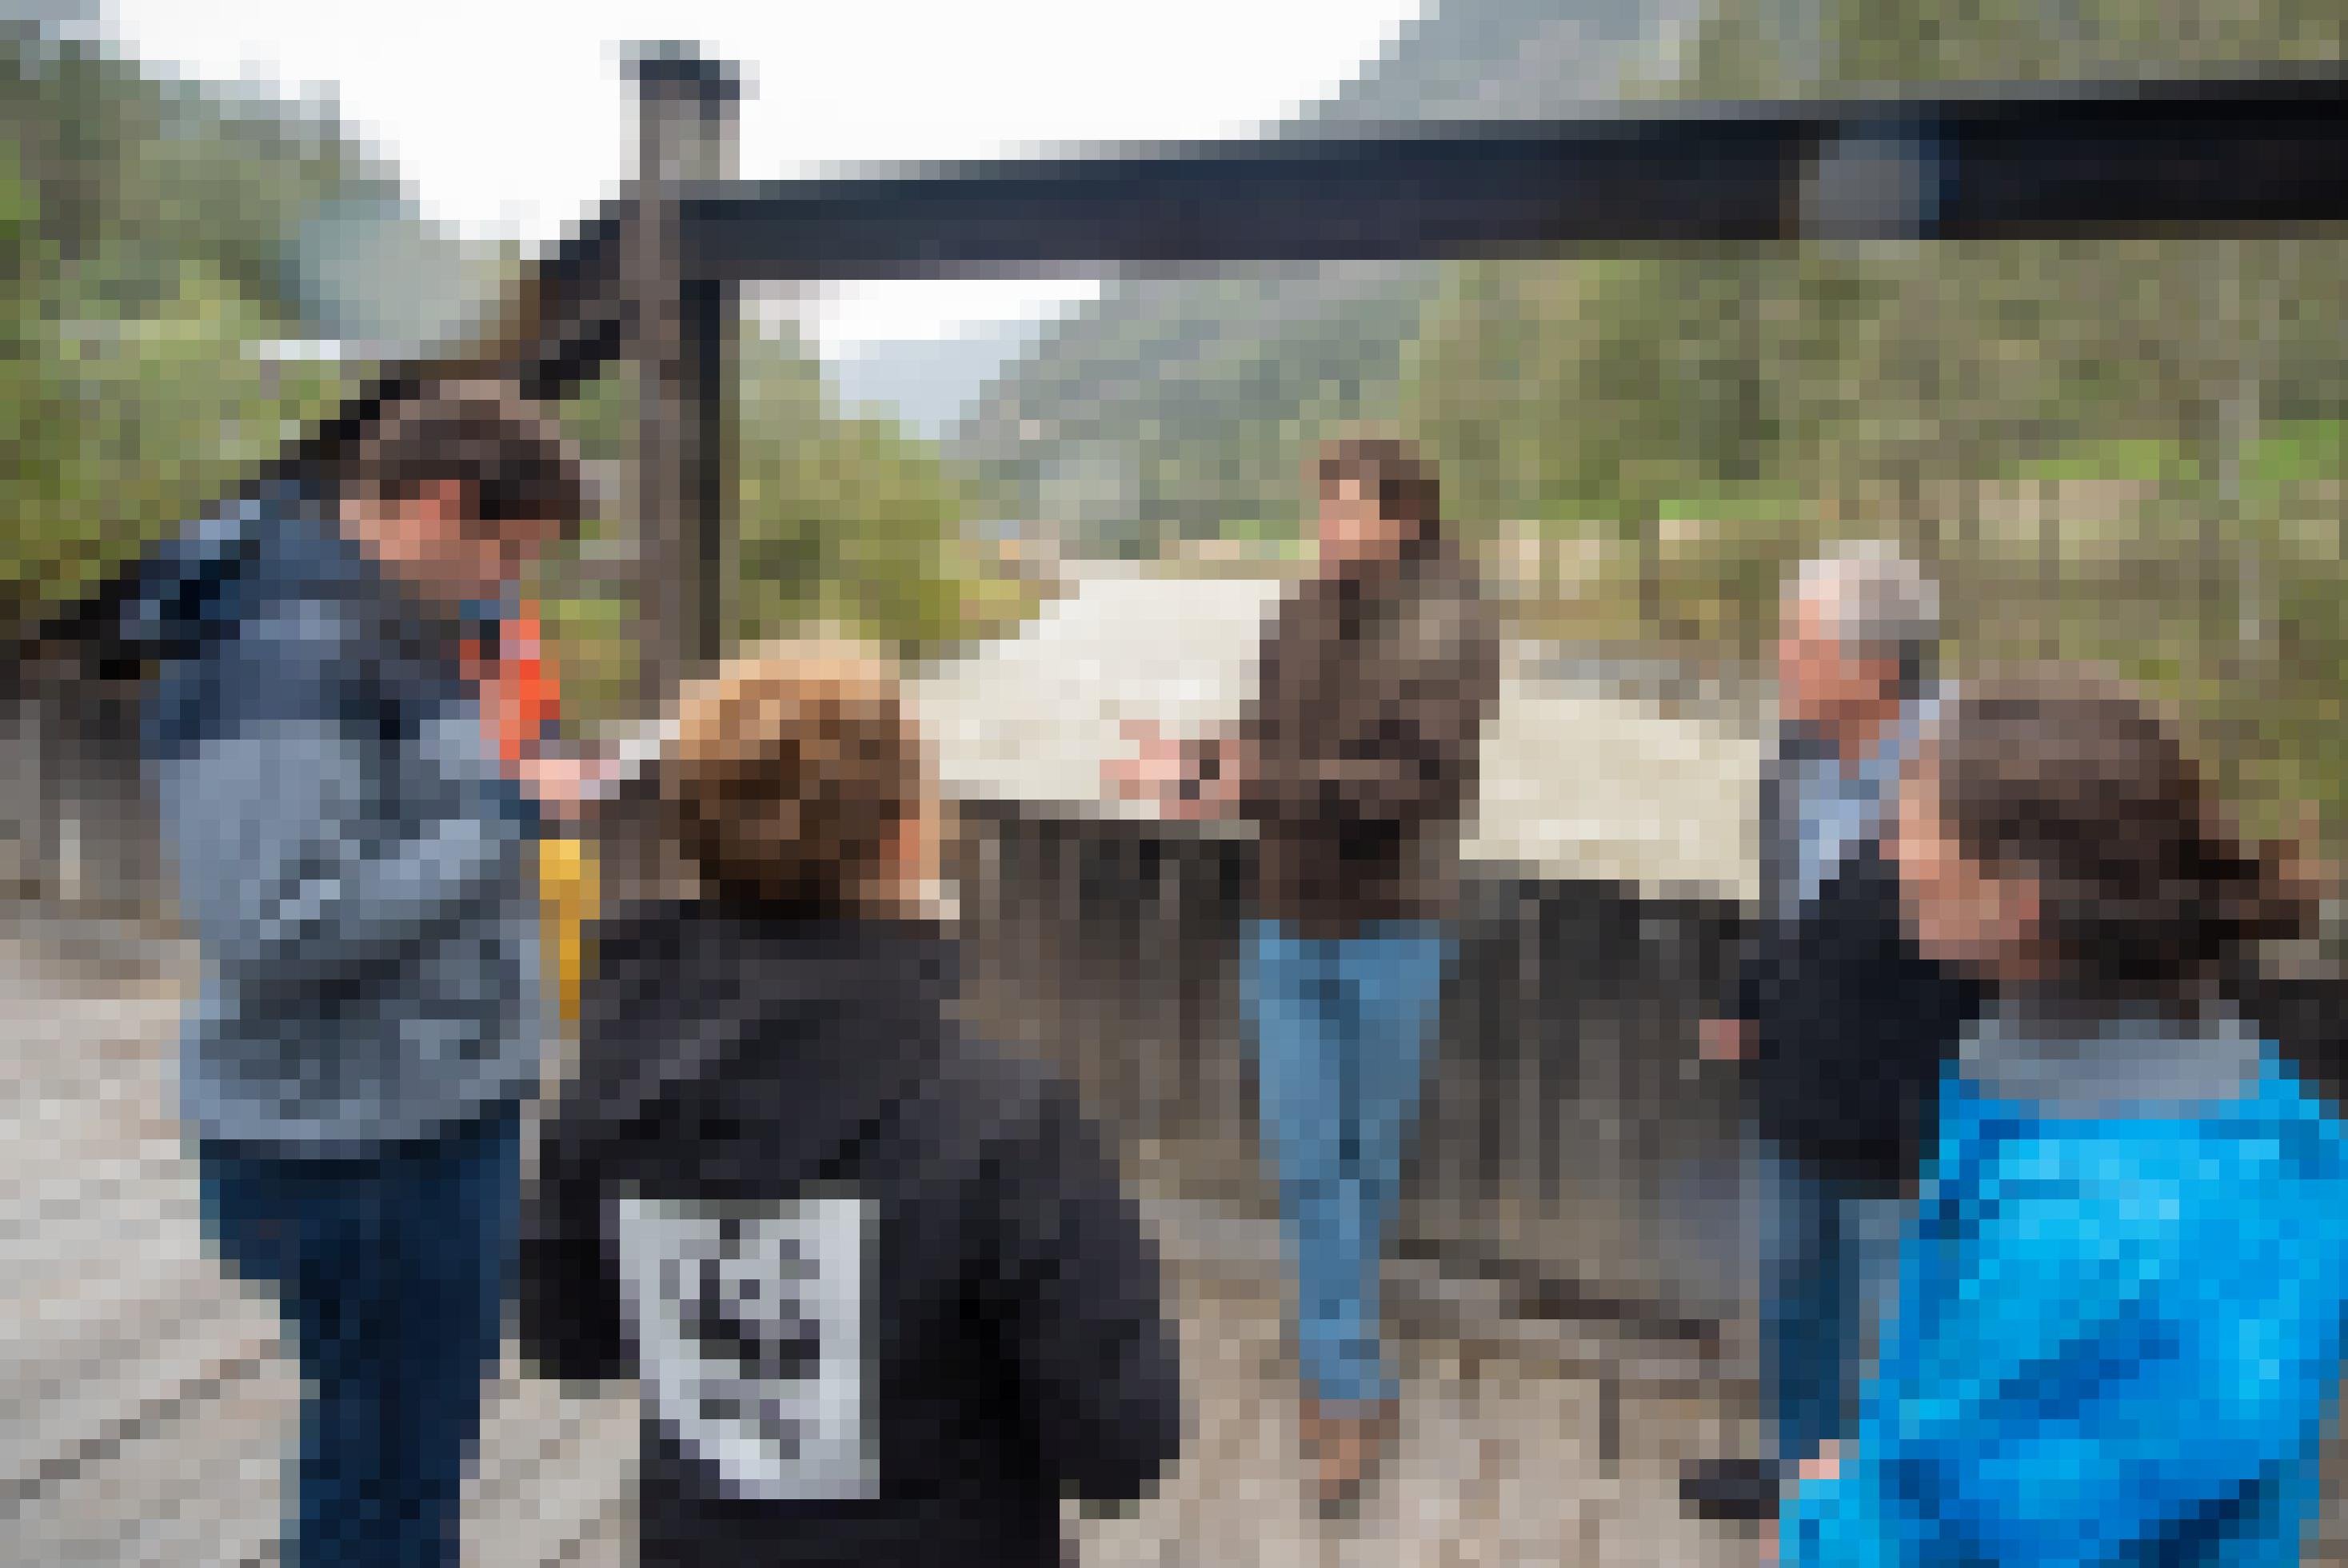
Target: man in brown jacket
x=1356, y=761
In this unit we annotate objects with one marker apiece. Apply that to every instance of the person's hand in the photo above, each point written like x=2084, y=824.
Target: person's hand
x=1824, y=1465
x=1724, y=1039
x=1153, y=773
x=565, y=787
x=556, y=784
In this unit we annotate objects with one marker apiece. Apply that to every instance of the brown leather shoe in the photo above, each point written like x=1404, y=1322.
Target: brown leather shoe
x=1345, y=1450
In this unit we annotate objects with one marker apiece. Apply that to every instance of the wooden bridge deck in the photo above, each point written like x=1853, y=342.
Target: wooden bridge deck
x=151, y=1400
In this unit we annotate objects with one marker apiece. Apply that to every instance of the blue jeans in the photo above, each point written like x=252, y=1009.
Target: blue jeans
x=391, y=1271
x=1340, y=1030
x=1829, y=1261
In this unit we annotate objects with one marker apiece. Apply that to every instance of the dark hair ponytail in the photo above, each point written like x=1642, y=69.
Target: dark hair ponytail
x=2147, y=893
x=2255, y=893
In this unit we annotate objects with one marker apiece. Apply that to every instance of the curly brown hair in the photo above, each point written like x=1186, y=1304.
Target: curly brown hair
x=2148, y=891
x=792, y=771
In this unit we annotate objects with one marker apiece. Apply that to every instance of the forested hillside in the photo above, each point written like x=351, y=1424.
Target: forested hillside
x=1177, y=406
x=1171, y=407
x=847, y=522
x=2128, y=450
x=145, y=227
x=1594, y=387
x=161, y=240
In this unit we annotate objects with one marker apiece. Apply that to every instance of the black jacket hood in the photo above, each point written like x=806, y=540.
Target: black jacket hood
x=808, y=1026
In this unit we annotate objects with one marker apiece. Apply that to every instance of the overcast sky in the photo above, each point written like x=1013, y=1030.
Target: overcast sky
x=510, y=116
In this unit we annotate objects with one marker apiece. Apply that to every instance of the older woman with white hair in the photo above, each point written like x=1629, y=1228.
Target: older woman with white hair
x=1840, y=1024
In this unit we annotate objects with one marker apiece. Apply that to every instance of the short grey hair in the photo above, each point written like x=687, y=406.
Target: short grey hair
x=1881, y=605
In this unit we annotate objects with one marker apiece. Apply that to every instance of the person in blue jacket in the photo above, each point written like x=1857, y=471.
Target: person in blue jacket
x=352, y=857
x=2119, y=1323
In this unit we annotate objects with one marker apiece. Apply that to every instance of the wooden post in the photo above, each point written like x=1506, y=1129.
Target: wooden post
x=679, y=336
x=682, y=336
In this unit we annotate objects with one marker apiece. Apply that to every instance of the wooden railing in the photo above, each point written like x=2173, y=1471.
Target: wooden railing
x=1567, y=1135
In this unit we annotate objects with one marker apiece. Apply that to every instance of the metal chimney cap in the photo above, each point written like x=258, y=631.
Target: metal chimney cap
x=683, y=69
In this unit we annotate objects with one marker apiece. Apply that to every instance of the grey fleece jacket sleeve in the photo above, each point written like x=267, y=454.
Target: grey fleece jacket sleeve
x=290, y=878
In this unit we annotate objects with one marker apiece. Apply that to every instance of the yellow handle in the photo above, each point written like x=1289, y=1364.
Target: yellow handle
x=568, y=892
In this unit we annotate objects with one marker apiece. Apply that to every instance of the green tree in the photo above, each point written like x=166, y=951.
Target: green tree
x=846, y=521
x=144, y=225
x=846, y=524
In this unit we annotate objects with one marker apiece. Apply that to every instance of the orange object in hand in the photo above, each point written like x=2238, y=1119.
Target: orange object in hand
x=520, y=701
x=520, y=709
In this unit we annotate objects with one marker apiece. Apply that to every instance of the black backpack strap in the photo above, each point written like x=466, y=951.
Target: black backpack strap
x=177, y=597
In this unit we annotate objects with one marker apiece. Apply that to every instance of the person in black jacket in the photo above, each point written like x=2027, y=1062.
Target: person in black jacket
x=1841, y=1024
x=885, y=1298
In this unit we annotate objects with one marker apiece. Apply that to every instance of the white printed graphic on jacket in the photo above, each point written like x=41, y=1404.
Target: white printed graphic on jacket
x=748, y=1320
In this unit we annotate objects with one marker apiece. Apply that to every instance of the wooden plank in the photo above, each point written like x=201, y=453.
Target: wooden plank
x=2102, y=159
x=2062, y=159
x=682, y=333
x=202, y=1486
x=553, y=1473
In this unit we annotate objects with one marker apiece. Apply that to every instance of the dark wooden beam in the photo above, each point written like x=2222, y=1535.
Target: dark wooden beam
x=2106, y=160
x=2163, y=158
x=1444, y=191
x=2092, y=160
